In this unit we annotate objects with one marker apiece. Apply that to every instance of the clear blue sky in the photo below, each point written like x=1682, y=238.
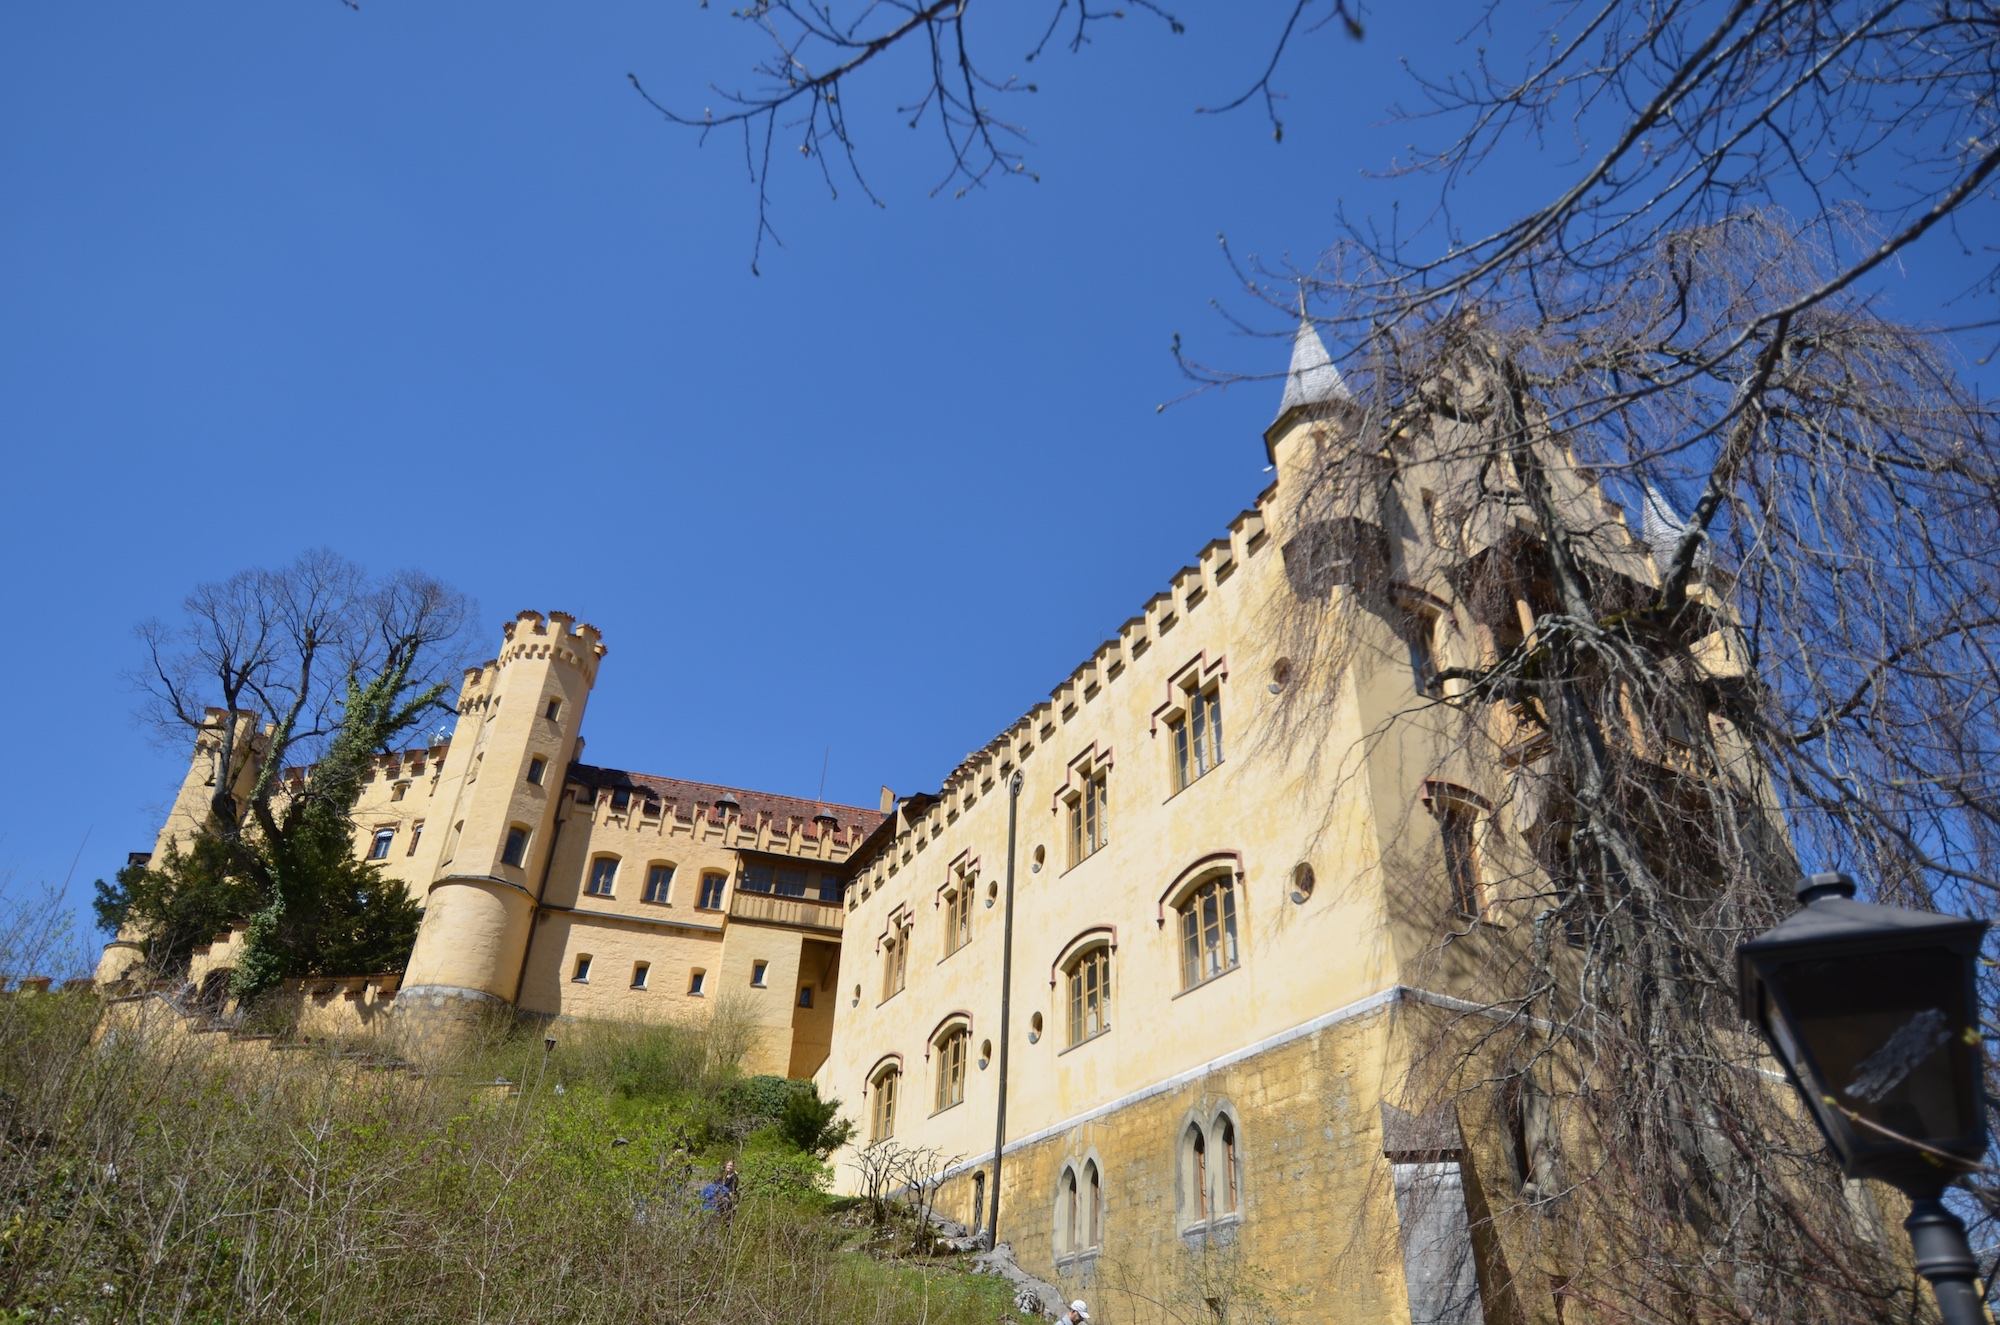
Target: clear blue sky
x=431, y=286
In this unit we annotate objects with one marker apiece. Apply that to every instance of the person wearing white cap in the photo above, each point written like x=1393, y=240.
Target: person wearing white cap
x=1077, y=1311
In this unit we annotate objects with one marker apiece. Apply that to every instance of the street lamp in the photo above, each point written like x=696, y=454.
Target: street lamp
x=1873, y=1012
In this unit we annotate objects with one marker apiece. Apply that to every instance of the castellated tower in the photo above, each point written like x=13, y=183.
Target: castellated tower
x=518, y=723
x=190, y=811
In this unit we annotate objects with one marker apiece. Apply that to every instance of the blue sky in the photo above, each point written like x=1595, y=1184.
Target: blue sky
x=431, y=286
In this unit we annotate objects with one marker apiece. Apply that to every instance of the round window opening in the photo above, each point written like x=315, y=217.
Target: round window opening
x=985, y=1053
x=1041, y=854
x=857, y=997
x=1035, y=1029
x=992, y=893
x=1281, y=674
x=1302, y=882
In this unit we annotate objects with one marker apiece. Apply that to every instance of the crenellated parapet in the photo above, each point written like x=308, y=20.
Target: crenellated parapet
x=726, y=817
x=921, y=819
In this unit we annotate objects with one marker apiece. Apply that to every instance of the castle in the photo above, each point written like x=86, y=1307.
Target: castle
x=1142, y=972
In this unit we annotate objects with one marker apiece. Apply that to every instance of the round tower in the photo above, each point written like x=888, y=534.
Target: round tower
x=518, y=723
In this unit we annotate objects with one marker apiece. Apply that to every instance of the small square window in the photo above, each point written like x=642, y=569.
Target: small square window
x=696, y=979
x=759, y=970
x=380, y=849
x=640, y=970
x=536, y=768
x=516, y=851
x=554, y=710
x=582, y=975
x=621, y=799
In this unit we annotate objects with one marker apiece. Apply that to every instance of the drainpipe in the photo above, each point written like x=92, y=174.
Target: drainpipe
x=1006, y=1003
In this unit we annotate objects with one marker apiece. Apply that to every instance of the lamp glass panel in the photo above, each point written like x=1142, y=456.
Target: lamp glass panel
x=1878, y=1032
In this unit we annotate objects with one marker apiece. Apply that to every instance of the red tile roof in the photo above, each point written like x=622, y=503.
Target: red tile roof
x=685, y=796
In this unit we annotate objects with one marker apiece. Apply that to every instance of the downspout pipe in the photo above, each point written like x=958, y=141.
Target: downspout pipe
x=1006, y=1008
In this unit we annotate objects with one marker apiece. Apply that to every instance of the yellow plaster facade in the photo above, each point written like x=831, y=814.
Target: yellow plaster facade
x=1221, y=935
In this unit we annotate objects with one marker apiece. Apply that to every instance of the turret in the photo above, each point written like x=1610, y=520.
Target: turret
x=190, y=813
x=519, y=718
x=1314, y=407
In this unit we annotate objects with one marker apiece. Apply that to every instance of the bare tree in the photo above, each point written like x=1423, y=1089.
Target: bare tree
x=316, y=665
x=278, y=647
x=1879, y=117
x=1631, y=736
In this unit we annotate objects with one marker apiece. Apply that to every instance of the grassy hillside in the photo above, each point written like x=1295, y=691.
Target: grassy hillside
x=155, y=1177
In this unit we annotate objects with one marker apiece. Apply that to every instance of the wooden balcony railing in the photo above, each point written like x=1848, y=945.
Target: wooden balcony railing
x=804, y=913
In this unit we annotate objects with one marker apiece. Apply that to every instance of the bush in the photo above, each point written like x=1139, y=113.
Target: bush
x=812, y=1124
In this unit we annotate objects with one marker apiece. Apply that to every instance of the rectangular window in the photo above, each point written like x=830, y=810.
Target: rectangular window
x=640, y=970
x=696, y=979
x=396, y=792
x=831, y=889
x=659, y=882
x=758, y=972
x=805, y=996
x=1197, y=736
x=1090, y=817
x=516, y=850
x=1208, y=932
x=416, y=836
x=711, y=892
x=621, y=800
x=958, y=915
x=379, y=849
x=582, y=975
x=756, y=879
x=790, y=883
x=1456, y=825
x=896, y=963
x=536, y=767
x=553, y=710
x=603, y=874
x=1090, y=995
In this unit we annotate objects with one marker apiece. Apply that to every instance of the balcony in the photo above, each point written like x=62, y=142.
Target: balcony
x=797, y=912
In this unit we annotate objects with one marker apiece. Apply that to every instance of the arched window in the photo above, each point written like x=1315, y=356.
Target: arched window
x=1066, y=1212
x=1226, y=1187
x=1093, y=1223
x=882, y=1109
x=1089, y=993
x=603, y=874
x=1197, y=1173
x=1208, y=931
x=951, y=1066
x=659, y=883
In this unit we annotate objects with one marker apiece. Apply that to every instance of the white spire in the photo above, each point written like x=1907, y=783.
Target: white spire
x=1661, y=527
x=1313, y=380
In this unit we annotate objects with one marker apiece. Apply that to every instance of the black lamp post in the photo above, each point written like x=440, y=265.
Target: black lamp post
x=1872, y=1010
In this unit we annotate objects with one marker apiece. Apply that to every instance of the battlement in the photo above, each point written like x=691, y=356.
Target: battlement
x=753, y=820
x=922, y=818
x=530, y=634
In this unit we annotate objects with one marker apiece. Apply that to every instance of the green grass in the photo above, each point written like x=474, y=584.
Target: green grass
x=154, y=1180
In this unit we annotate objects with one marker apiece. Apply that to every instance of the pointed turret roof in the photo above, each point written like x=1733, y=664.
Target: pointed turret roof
x=1661, y=527
x=1313, y=380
